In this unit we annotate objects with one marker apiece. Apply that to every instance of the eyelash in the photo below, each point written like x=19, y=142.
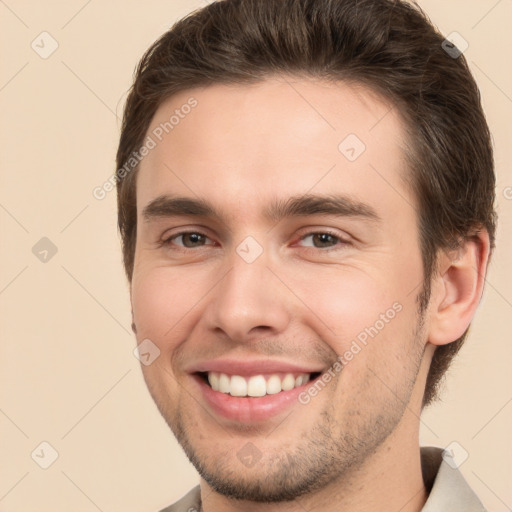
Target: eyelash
x=341, y=241
x=167, y=241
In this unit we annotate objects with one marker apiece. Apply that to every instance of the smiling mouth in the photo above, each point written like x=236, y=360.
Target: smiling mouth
x=255, y=385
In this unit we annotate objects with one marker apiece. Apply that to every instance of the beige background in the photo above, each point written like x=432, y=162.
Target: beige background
x=68, y=373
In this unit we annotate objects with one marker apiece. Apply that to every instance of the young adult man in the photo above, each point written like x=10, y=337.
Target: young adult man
x=306, y=234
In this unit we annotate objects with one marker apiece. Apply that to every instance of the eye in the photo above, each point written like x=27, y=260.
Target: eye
x=187, y=239
x=323, y=240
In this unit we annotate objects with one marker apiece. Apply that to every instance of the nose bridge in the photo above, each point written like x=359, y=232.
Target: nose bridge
x=248, y=296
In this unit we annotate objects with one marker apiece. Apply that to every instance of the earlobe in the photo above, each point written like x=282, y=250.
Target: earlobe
x=457, y=289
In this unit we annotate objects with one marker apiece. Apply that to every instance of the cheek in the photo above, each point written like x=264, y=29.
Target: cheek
x=344, y=300
x=163, y=305
x=363, y=316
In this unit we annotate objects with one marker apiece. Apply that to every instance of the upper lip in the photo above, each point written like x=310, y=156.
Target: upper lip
x=251, y=367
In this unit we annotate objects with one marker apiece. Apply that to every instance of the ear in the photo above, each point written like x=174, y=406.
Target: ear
x=134, y=327
x=457, y=289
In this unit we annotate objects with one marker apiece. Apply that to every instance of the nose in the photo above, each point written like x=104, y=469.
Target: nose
x=248, y=302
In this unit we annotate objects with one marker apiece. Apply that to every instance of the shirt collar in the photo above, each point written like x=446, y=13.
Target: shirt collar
x=448, y=488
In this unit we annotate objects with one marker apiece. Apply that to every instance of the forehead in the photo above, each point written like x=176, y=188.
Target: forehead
x=238, y=144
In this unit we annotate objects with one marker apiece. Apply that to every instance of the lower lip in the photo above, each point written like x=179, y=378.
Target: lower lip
x=249, y=409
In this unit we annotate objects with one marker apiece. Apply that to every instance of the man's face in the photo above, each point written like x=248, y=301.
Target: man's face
x=259, y=296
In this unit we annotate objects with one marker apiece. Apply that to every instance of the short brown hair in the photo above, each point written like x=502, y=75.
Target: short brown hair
x=388, y=45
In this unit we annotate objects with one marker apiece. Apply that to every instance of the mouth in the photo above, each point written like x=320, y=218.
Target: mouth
x=252, y=391
x=255, y=386
x=252, y=399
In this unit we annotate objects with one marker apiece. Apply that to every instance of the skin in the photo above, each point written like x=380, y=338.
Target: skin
x=355, y=445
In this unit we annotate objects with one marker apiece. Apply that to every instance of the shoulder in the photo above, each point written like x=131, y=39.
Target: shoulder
x=191, y=502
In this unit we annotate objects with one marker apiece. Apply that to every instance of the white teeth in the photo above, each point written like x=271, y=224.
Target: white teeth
x=238, y=386
x=288, y=382
x=213, y=379
x=224, y=381
x=255, y=386
x=273, y=385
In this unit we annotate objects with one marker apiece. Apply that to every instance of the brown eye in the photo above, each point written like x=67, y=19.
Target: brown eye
x=188, y=239
x=322, y=240
x=192, y=239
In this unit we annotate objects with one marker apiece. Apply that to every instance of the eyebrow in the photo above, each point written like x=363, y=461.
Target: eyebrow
x=295, y=206
x=336, y=205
